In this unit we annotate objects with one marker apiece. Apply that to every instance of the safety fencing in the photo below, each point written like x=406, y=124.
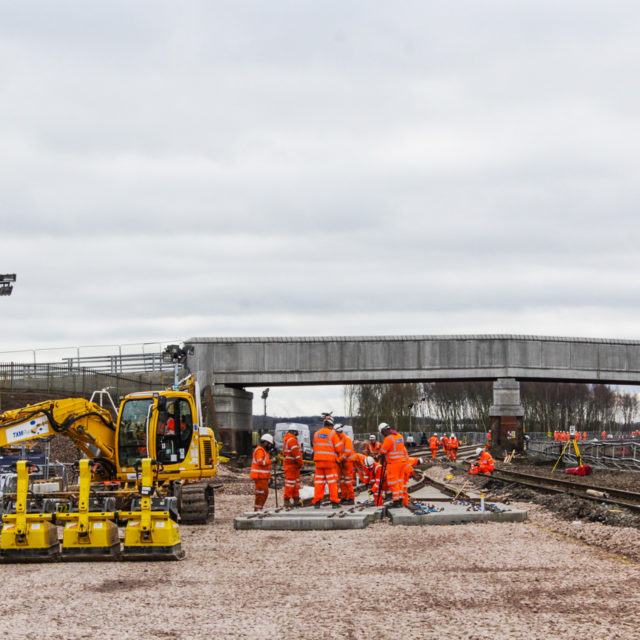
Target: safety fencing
x=619, y=455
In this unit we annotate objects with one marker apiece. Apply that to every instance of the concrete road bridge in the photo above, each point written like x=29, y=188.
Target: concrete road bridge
x=226, y=367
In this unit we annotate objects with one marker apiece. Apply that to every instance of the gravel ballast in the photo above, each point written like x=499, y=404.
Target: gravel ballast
x=546, y=578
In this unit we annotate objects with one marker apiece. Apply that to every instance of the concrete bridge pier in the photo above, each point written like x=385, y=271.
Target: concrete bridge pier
x=507, y=417
x=228, y=410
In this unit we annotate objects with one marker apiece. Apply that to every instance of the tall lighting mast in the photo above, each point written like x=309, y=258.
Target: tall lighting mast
x=6, y=283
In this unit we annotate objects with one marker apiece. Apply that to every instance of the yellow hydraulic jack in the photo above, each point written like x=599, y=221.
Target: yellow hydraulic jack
x=151, y=533
x=27, y=537
x=89, y=535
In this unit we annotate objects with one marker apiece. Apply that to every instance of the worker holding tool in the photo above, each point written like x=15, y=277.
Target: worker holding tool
x=345, y=460
x=292, y=463
x=373, y=447
x=261, y=470
x=395, y=455
x=327, y=449
x=453, y=447
x=433, y=445
x=485, y=464
x=377, y=483
x=407, y=474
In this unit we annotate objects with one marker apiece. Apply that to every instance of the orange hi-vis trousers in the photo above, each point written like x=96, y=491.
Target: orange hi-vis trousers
x=434, y=451
x=407, y=472
x=291, y=481
x=326, y=475
x=395, y=479
x=346, y=481
x=261, y=492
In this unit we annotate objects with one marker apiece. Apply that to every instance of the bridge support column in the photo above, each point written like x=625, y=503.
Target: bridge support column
x=231, y=415
x=507, y=417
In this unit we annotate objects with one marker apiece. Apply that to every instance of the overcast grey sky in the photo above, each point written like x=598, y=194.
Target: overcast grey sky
x=170, y=170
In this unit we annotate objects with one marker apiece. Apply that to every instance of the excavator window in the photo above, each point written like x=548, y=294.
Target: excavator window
x=132, y=434
x=175, y=429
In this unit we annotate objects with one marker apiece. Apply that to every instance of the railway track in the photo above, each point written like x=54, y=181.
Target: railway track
x=608, y=495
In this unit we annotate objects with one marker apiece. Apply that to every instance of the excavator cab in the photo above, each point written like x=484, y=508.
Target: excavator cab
x=163, y=426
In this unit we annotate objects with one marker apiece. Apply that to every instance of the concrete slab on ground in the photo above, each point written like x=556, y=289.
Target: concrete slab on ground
x=308, y=519
x=456, y=514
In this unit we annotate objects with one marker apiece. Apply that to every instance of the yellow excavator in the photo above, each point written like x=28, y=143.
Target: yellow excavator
x=165, y=426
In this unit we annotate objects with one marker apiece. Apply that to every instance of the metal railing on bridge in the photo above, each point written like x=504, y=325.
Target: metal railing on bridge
x=67, y=379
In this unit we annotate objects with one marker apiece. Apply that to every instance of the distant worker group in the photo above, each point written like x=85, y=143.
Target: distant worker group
x=385, y=467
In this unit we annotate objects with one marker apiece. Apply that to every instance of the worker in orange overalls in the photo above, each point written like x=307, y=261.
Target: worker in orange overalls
x=395, y=457
x=488, y=440
x=261, y=470
x=377, y=484
x=433, y=445
x=345, y=460
x=358, y=467
x=484, y=465
x=444, y=441
x=453, y=447
x=291, y=463
x=408, y=472
x=604, y=435
x=372, y=448
x=327, y=449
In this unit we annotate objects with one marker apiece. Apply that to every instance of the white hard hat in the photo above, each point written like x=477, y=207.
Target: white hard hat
x=382, y=426
x=453, y=435
x=369, y=461
x=328, y=420
x=435, y=434
x=338, y=427
x=478, y=451
x=372, y=437
x=267, y=437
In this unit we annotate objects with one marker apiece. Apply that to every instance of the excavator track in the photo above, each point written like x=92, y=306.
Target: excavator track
x=197, y=504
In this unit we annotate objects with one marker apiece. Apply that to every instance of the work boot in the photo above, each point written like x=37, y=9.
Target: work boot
x=316, y=505
x=350, y=502
x=396, y=504
x=335, y=505
x=287, y=502
x=297, y=502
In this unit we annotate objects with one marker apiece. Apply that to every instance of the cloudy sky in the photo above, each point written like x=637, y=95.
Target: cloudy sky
x=171, y=170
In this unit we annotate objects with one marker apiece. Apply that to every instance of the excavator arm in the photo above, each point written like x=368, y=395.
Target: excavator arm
x=90, y=427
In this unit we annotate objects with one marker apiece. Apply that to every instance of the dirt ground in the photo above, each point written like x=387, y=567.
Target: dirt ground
x=548, y=578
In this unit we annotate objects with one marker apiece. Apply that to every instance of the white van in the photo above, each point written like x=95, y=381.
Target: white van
x=304, y=437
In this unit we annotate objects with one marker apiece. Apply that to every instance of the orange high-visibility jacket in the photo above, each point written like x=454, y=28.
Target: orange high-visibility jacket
x=348, y=452
x=327, y=445
x=375, y=475
x=433, y=442
x=372, y=448
x=444, y=442
x=260, y=464
x=358, y=461
x=453, y=443
x=393, y=448
x=291, y=454
x=485, y=461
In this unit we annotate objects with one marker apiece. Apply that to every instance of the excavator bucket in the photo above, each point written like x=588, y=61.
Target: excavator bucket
x=27, y=537
x=89, y=534
x=151, y=533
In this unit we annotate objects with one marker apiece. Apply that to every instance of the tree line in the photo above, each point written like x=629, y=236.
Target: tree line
x=430, y=406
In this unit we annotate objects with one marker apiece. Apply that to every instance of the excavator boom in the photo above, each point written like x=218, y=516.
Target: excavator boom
x=90, y=427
